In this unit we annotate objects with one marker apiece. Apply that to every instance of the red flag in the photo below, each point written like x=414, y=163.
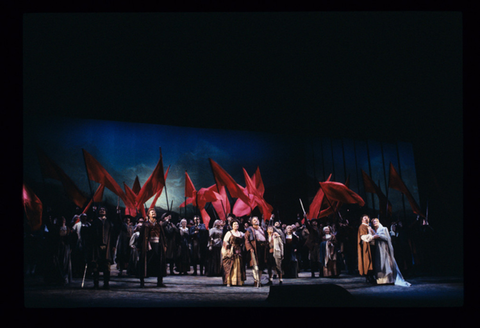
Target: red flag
x=371, y=187
x=155, y=182
x=336, y=191
x=205, y=195
x=131, y=195
x=33, y=208
x=98, y=173
x=314, y=208
x=51, y=170
x=136, y=186
x=189, y=187
x=395, y=182
x=240, y=208
x=97, y=197
x=257, y=180
x=265, y=208
x=159, y=192
x=222, y=178
x=222, y=207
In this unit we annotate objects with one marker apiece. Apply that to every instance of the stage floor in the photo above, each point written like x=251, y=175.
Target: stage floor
x=202, y=291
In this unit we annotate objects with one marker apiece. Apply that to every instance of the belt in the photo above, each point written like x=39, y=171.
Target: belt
x=154, y=239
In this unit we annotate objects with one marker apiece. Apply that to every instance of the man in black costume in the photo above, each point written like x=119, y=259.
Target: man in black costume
x=103, y=242
x=152, y=251
x=172, y=240
x=199, y=241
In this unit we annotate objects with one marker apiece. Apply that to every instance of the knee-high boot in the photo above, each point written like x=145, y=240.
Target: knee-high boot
x=160, y=282
x=106, y=280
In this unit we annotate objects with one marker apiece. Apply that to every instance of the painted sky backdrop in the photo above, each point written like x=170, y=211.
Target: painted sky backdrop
x=130, y=150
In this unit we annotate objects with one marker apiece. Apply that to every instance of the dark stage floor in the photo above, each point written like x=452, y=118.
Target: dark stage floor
x=201, y=291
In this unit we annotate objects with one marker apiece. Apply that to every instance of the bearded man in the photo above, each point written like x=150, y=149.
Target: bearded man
x=256, y=244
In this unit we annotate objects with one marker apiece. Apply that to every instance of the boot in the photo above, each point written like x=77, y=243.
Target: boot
x=171, y=269
x=142, y=282
x=106, y=280
x=201, y=270
x=195, y=270
x=160, y=282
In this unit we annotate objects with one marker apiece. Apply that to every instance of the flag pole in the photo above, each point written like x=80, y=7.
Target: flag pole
x=163, y=174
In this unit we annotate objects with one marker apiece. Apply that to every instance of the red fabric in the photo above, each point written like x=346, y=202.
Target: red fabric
x=97, y=198
x=395, y=182
x=371, y=187
x=189, y=187
x=131, y=196
x=265, y=208
x=190, y=192
x=336, y=191
x=205, y=195
x=33, y=208
x=222, y=178
x=257, y=180
x=97, y=173
x=154, y=183
x=222, y=207
x=157, y=195
x=51, y=170
x=314, y=208
x=368, y=183
x=136, y=186
x=240, y=208
x=205, y=217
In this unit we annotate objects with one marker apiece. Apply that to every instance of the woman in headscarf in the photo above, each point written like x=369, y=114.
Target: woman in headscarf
x=384, y=265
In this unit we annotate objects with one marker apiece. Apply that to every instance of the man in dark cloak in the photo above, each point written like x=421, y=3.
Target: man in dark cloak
x=103, y=242
x=152, y=251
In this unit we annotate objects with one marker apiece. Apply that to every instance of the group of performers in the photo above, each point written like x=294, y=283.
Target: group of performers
x=149, y=246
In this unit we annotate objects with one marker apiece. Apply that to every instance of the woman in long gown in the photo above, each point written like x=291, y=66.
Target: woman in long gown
x=232, y=261
x=385, y=267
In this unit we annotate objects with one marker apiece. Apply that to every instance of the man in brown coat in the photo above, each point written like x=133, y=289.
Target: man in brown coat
x=256, y=244
x=364, y=249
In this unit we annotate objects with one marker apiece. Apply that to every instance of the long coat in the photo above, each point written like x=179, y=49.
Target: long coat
x=103, y=234
x=364, y=251
x=152, y=259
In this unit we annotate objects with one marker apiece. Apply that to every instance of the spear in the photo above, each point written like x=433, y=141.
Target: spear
x=303, y=209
